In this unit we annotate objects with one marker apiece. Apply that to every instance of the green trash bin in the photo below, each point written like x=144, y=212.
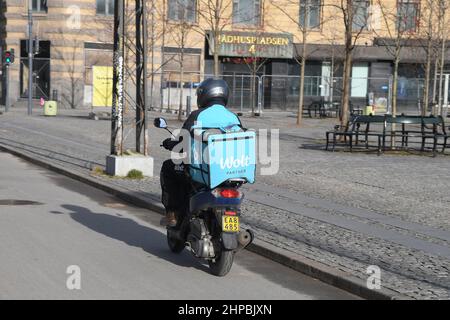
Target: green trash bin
x=50, y=108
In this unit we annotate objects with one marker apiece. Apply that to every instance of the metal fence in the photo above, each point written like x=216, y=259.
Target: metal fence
x=281, y=92
x=174, y=92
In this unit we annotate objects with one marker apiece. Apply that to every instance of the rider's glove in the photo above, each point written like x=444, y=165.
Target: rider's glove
x=169, y=143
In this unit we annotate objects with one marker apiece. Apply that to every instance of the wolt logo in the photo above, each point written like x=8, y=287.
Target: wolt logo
x=234, y=163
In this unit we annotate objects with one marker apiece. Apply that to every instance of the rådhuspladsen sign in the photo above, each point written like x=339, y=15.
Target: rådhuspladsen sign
x=251, y=44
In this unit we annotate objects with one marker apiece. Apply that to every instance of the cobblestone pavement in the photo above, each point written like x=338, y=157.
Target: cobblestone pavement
x=346, y=210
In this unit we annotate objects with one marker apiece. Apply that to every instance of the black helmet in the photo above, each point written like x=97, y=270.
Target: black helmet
x=212, y=91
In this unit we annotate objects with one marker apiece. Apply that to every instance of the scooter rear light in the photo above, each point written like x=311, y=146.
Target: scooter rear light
x=230, y=193
x=230, y=213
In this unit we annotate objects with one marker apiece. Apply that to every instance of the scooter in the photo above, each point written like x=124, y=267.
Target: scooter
x=211, y=227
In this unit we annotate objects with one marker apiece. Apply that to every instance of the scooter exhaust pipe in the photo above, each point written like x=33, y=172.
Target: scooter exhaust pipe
x=245, y=238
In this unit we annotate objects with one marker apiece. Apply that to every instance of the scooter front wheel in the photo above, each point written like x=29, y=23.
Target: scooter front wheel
x=175, y=245
x=222, y=264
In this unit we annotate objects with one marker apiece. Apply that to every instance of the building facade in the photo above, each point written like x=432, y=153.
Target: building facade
x=263, y=38
x=70, y=37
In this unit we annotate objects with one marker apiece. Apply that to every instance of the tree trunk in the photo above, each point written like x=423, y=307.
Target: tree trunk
x=394, y=97
x=216, y=54
x=344, y=116
x=395, y=88
x=216, y=64
x=252, y=92
x=163, y=44
x=426, y=89
x=180, y=107
x=441, y=78
x=302, y=83
x=152, y=54
x=435, y=82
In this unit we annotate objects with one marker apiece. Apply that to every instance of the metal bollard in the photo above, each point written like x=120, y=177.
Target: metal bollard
x=55, y=95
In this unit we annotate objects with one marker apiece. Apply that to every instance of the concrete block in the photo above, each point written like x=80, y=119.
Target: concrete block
x=121, y=165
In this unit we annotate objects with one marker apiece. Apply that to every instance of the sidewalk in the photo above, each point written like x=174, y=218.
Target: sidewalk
x=347, y=211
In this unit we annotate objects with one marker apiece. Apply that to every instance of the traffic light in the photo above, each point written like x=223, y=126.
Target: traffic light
x=9, y=56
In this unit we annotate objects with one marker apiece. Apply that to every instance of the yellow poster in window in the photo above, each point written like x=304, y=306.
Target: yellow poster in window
x=102, y=86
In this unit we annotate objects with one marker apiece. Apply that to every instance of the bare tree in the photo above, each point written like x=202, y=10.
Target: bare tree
x=216, y=15
x=393, y=35
x=335, y=49
x=443, y=6
x=301, y=18
x=354, y=25
x=427, y=42
x=180, y=32
x=255, y=64
x=71, y=92
x=156, y=41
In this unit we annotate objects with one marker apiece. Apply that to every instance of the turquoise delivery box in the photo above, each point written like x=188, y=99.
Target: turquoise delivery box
x=220, y=157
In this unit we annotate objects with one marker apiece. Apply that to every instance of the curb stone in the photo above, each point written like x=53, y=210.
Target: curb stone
x=317, y=270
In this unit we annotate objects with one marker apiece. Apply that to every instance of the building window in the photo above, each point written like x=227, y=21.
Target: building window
x=310, y=14
x=408, y=15
x=105, y=7
x=360, y=15
x=247, y=12
x=182, y=10
x=39, y=6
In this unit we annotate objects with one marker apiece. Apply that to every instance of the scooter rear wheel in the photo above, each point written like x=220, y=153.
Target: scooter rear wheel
x=175, y=245
x=223, y=263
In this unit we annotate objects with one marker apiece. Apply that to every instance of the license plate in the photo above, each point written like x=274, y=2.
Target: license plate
x=230, y=224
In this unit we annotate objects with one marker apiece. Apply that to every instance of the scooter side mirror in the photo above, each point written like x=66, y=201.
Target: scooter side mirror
x=160, y=123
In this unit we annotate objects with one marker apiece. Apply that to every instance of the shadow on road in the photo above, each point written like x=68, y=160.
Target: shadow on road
x=131, y=233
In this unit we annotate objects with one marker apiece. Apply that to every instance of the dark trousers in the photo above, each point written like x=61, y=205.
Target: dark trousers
x=174, y=187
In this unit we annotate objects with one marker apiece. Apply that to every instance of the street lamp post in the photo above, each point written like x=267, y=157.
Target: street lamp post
x=30, y=57
x=118, y=78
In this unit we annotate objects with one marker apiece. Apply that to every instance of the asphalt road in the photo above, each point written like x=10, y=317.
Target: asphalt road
x=49, y=223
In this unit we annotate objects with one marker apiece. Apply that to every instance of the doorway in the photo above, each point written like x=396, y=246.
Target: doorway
x=41, y=71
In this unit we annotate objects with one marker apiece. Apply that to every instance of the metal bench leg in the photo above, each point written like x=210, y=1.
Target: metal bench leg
x=351, y=142
x=379, y=145
x=328, y=140
x=434, y=146
x=444, y=145
x=334, y=142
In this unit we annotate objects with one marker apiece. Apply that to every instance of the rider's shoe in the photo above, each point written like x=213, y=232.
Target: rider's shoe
x=169, y=220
